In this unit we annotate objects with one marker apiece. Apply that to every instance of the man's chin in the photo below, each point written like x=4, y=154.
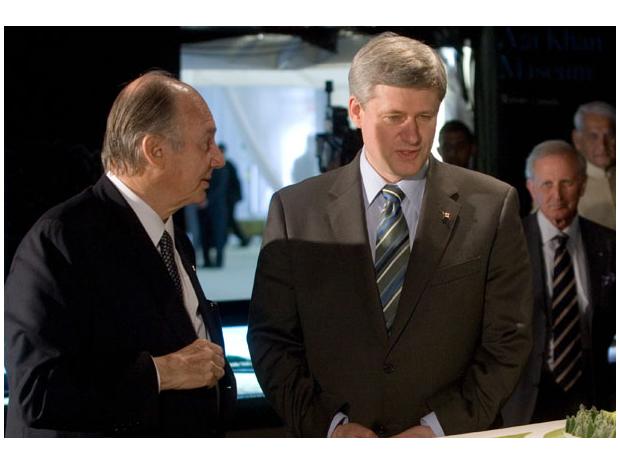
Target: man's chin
x=409, y=169
x=562, y=221
x=603, y=162
x=200, y=200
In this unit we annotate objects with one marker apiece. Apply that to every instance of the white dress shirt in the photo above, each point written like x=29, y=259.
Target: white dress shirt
x=598, y=202
x=154, y=227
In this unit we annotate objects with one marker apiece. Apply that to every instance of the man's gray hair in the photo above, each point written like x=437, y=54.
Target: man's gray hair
x=147, y=105
x=597, y=108
x=554, y=147
x=393, y=60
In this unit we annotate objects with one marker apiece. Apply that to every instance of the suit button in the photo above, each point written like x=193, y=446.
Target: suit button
x=388, y=368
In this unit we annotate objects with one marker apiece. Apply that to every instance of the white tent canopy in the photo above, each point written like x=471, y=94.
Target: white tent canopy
x=267, y=93
x=271, y=60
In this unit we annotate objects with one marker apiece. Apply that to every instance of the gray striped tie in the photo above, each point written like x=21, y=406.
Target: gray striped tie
x=566, y=320
x=391, y=252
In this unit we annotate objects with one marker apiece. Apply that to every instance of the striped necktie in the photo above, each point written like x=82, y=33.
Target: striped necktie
x=166, y=249
x=391, y=252
x=565, y=319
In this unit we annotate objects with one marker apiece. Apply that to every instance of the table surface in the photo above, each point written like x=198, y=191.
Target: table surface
x=552, y=429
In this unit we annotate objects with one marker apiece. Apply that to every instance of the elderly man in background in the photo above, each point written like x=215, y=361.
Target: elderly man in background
x=573, y=265
x=594, y=137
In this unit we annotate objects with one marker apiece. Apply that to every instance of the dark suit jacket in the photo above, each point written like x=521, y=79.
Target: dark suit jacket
x=599, y=243
x=462, y=332
x=88, y=301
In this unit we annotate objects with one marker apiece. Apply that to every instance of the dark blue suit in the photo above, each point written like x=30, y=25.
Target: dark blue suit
x=599, y=244
x=88, y=301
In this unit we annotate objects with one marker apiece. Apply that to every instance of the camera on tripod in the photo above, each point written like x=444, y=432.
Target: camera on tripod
x=339, y=144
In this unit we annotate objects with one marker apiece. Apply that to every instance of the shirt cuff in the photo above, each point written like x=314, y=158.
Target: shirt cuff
x=432, y=422
x=339, y=419
x=157, y=373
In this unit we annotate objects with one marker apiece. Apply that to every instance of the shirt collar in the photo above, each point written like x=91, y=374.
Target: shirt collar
x=149, y=219
x=549, y=231
x=594, y=171
x=373, y=182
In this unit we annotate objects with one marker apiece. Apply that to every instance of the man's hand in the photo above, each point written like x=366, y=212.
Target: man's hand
x=417, y=432
x=353, y=430
x=197, y=365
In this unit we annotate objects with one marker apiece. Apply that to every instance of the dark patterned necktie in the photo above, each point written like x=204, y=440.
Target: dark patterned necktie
x=566, y=319
x=391, y=252
x=166, y=249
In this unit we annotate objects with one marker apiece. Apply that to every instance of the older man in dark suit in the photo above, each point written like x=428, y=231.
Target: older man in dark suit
x=107, y=331
x=392, y=295
x=573, y=262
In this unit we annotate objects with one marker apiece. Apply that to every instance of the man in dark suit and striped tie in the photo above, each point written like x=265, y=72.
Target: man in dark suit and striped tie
x=573, y=262
x=392, y=295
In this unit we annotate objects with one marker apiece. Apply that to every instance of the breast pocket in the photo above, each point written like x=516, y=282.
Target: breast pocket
x=452, y=273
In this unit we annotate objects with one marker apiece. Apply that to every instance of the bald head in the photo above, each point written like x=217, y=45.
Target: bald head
x=147, y=105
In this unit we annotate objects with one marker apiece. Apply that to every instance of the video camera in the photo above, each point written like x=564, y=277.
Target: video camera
x=339, y=144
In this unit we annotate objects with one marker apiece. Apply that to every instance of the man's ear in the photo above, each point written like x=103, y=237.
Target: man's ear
x=153, y=150
x=355, y=111
x=530, y=187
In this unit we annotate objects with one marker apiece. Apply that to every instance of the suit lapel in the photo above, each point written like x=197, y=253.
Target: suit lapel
x=347, y=220
x=208, y=310
x=150, y=272
x=439, y=214
x=535, y=249
x=205, y=307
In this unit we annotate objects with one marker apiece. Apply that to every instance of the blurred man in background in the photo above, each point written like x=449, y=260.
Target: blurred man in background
x=594, y=137
x=457, y=144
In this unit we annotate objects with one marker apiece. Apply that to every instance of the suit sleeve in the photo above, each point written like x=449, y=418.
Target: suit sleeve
x=59, y=379
x=473, y=403
x=275, y=337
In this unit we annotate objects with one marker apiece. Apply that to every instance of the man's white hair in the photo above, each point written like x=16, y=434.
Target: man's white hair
x=597, y=108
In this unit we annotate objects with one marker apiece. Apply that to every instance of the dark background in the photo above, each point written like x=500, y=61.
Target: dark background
x=533, y=79
x=60, y=83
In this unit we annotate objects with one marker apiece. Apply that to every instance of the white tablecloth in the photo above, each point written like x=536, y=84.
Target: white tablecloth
x=535, y=430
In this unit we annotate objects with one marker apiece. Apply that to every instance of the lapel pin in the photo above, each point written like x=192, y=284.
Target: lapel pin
x=194, y=268
x=445, y=216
